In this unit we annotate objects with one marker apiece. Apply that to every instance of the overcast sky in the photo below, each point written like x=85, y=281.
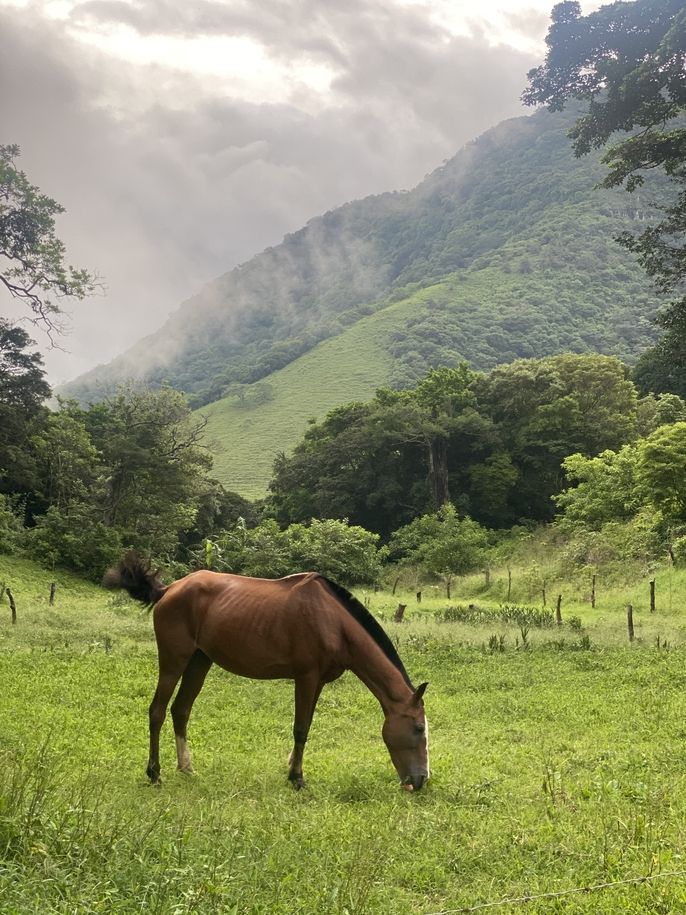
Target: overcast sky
x=184, y=136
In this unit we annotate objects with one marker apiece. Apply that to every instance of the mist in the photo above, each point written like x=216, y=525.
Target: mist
x=170, y=179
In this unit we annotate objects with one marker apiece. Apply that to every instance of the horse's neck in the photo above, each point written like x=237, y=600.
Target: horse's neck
x=377, y=672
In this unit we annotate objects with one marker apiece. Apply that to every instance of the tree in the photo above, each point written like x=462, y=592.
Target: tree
x=156, y=467
x=601, y=489
x=23, y=389
x=662, y=470
x=547, y=409
x=32, y=258
x=441, y=544
x=659, y=410
x=627, y=61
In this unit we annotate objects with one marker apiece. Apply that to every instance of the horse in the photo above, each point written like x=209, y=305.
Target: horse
x=302, y=627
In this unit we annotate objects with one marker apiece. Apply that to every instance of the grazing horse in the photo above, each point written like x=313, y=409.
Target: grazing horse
x=302, y=627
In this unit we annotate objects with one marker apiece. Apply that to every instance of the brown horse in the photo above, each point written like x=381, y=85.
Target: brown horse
x=303, y=628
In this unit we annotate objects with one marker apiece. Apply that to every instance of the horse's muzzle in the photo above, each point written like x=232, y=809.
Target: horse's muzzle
x=414, y=782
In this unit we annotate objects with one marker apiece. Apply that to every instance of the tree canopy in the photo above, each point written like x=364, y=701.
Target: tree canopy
x=627, y=63
x=32, y=257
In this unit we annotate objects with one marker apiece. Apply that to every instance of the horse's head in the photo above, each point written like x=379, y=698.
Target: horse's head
x=406, y=735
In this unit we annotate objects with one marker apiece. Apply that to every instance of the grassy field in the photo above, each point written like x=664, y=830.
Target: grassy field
x=557, y=762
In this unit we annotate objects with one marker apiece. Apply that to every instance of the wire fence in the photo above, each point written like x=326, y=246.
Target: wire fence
x=591, y=888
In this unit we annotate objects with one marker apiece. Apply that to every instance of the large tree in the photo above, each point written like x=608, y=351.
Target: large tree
x=627, y=63
x=23, y=389
x=32, y=257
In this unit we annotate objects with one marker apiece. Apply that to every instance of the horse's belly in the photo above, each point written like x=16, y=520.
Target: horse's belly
x=257, y=661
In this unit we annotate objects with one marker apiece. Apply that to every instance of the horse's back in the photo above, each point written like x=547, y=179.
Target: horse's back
x=256, y=627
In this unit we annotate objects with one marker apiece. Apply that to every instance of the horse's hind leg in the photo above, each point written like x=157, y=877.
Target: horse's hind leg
x=307, y=690
x=166, y=684
x=191, y=684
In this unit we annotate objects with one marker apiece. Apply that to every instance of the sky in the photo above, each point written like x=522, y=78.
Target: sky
x=184, y=137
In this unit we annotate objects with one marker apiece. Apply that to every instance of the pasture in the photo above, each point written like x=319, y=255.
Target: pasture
x=557, y=761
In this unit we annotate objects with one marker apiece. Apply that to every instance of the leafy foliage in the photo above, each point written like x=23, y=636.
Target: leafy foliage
x=441, y=544
x=627, y=61
x=337, y=550
x=496, y=442
x=32, y=265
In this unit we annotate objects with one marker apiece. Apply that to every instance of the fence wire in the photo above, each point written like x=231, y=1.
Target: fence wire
x=592, y=888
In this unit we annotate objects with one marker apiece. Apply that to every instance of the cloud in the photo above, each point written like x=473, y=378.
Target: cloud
x=170, y=179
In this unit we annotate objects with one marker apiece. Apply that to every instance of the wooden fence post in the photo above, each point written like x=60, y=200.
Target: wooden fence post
x=509, y=583
x=13, y=606
x=395, y=585
x=593, y=592
x=53, y=588
x=487, y=577
x=558, y=610
x=652, y=595
x=419, y=597
x=543, y=592
x=399, y=613
x=630, y=621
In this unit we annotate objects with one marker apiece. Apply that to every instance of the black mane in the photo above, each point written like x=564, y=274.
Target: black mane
x=369, y=624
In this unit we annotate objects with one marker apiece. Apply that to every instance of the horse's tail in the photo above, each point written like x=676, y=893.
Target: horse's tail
x=137, y=576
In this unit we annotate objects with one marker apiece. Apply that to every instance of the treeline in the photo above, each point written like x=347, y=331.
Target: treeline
x=492, y=444
x=430, y=478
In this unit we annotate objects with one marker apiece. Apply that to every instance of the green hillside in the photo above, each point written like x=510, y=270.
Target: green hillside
x=515, y=199
x=536, y=305
x=245, y=439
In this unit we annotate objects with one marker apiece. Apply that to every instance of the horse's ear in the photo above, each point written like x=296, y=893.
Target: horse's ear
x=419, y=692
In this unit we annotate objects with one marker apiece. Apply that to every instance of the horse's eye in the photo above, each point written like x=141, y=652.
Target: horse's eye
x=419, y=728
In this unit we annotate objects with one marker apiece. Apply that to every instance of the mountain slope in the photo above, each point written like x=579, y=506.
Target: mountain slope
x=480, y=314
x=517, y=184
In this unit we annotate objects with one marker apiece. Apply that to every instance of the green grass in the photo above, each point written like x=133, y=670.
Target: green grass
x=245, y=441
x=554, y=766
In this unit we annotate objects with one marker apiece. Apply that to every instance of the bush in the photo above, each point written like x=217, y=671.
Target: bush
x=11, y=527
x=74, y=540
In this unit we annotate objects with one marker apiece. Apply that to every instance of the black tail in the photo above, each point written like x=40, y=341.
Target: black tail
x=135, y=575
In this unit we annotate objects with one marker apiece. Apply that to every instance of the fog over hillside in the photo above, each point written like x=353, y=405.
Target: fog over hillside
x=184, y=141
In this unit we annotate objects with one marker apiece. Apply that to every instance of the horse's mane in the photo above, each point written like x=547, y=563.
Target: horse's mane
x=369, y=624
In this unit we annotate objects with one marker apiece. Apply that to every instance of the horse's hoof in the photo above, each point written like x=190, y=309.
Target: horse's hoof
x=186, y=770
x=298, y=782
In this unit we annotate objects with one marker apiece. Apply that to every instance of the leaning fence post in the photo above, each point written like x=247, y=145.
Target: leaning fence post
x=558, y=610
x=652, y=595
x=13, y=606
x=53, y=588
x=630, y=621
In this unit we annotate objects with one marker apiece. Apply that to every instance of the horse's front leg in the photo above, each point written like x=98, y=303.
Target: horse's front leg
x=307, y=690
